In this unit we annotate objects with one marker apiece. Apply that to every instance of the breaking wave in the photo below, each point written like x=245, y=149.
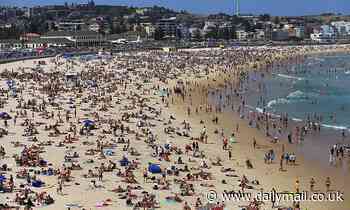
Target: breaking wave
x=277, y=101
x=301, y=95
x=336, y=127
x=290, y=77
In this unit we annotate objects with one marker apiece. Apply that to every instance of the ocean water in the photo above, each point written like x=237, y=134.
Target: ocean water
x=319, y=85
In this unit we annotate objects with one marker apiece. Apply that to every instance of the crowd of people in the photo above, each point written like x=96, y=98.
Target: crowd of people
x=113, y=120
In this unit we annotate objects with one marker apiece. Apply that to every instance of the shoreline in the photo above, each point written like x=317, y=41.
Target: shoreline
x=180, y=109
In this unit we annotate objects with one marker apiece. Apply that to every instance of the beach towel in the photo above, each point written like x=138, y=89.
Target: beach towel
x=232, y=140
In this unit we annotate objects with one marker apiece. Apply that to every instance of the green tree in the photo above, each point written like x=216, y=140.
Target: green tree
x=212, y=33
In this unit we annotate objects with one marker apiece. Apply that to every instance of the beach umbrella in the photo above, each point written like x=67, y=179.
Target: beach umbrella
x=88, y=123
x=154, y=169
x=4, y=115
x=2, y=178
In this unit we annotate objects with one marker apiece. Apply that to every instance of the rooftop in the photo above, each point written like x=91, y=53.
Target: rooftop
x=70, y=33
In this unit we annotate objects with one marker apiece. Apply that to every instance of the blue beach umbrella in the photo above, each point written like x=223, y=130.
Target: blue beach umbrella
x=4, y=115
x=2, y=178
x=88, y=123
x=154, y=169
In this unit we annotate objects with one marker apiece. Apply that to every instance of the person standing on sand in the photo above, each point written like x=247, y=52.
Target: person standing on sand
x=225, y=142
x=100, y=174
x=328, y=184
x=312, y=184
x=229, y=154
x=297, y=185
x=281, y=163
x=60, y=187
x=331, y=155
x=290, y=138
x=273, y=197
x=254, y=143
x=145, y=175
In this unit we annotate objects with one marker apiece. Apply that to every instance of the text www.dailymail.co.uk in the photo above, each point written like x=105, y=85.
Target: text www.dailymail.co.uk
x=212, y=196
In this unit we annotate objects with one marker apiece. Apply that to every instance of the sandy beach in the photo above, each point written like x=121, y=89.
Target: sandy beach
x=136, y=131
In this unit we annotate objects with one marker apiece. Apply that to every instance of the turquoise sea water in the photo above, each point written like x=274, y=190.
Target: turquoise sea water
x=319, y=85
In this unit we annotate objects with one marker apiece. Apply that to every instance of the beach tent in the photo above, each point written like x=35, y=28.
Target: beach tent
x=4, y=115
x=88, y=123
x=124, y=161
x=154, y=169
x=2, y=178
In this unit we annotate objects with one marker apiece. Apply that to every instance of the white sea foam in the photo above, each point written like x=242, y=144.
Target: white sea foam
x=297, y=119
x=277, y=101
x=290, y=77
x=319, y=59
x=296, y=94
x=301, y=95
x=336, y=127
